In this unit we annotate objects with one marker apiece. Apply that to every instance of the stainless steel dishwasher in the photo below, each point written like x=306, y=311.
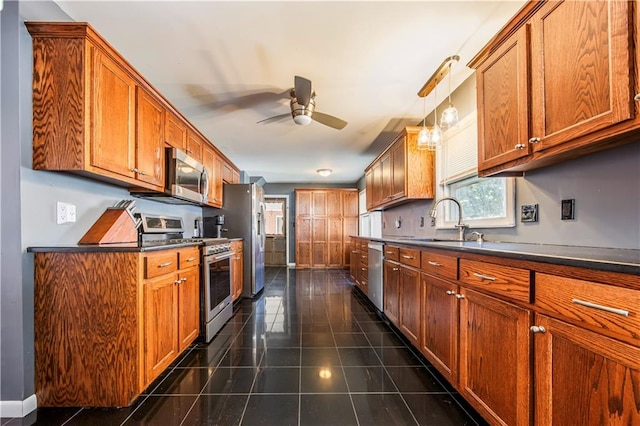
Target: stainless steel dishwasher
x=375, y=274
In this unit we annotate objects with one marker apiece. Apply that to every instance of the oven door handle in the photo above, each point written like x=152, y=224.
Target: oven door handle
x=217, y=257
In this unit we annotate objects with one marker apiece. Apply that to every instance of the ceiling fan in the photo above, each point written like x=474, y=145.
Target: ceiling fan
x=303, y=104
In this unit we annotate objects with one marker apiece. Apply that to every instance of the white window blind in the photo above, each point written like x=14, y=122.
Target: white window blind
x=459, y=152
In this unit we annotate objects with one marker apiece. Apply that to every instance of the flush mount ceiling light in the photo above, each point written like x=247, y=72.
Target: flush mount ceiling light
x=324, y=172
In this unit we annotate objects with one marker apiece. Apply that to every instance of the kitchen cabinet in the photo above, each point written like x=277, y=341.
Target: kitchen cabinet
x=583, y=377
x=214, y=165
x=230, y=174
x=236, y=270
x=195, y=143
x=391, y=283
x=400, y=173
x=115, y=319
x=149, y=139
x=175, y=131
x=171, y=306
x=494, y=356
x=576, y=93
x=354, y=263
x=409, y=319
x=96, y=116
x=325, y=218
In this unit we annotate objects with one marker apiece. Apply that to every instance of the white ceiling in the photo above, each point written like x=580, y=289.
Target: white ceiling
x=227, y=65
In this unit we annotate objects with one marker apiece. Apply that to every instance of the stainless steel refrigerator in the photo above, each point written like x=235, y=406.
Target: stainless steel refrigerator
x=243, y=210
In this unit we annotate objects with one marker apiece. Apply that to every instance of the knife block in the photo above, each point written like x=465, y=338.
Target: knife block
x=114, y=226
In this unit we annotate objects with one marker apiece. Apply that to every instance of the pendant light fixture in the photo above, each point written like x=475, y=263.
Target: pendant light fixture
x=435, y=135
x=450, y=114
x=423, y=135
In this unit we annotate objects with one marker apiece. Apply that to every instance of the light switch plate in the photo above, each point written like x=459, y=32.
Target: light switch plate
x=529, y=213
x=568, y=209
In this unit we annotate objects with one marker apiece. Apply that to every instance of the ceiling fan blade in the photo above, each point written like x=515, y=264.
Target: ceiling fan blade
x=329, y=120
x=276, y=118
x=303, y=90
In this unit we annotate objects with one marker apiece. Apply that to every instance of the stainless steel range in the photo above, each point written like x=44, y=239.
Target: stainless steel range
x=215, y=278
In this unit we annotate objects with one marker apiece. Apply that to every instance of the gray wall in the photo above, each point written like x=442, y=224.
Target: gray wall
x=29, y=198
x=289, y=189
x=606, y=189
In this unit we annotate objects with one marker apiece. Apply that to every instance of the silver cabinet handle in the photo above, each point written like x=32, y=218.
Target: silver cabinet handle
x=616, y=311
x=451, y=293
x=354, y=251
x=637, y=97
x=407, y=257
x=364, y=269
x=538, y=329
x=434, y=263
x=389, y=252
x=364, y=256
x=190, y=259
x=142, y=172
x=164, y=265
x=519, y=146
x=460, y=296
x=484, y=277
x=134, y=170
x=177, y=282
x=396, y=269
x=534, y=140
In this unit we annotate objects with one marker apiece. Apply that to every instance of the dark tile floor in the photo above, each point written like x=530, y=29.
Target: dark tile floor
x=309, y=350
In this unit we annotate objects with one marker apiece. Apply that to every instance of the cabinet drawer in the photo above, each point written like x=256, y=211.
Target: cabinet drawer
x=392, y=253
x=607, y=307
x=161, y=263
x=364, y=258
x=441, y=265
x=504, y=280
x=189, y=257
x=410, y=257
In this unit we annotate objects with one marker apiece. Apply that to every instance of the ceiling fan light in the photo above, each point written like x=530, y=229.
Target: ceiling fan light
x=324, y=172
x=302, y=120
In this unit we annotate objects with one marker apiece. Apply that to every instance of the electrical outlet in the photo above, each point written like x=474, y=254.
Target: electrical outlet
x=421, y=221
x=433, y=221
x=65, y=212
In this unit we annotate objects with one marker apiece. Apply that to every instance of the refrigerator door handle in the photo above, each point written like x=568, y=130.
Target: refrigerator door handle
x=261, y=226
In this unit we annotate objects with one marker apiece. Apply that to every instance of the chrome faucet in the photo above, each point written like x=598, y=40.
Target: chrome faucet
x=461, y=226
x=479, y=236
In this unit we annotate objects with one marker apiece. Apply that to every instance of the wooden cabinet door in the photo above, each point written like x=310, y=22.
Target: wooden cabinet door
x=303, y=203
x=319, y=203
x=213, y=164
x=350, y=203
x=439, y=337
x=503, y=112
x=349, y=227
x=334, y=241
x=194, y=145
x=334, y=203
x=303, y=242
x=398, y=169
x=392, y=291
x=376, y=185
x=175, y=131
x=160, y=324
x=410, y=305
x=319, y=246
x=495, y=355
x=386, y=177
x=580, y=83
x=583, y=378
x=368, y=183
x=113, y=100
x=188, y=307
x=354, y=261
x=149, y=139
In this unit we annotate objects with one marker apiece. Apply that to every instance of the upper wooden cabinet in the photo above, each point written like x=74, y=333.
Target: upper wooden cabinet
x=175, y=131
x=213, y=163
x=544, y=97
x=95, y=115
x=400, y=173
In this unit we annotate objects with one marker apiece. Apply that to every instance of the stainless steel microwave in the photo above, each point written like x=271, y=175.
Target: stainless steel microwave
x=186, y=180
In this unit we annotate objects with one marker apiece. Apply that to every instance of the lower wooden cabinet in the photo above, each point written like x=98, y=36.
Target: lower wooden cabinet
x=391, y=293
x=236, y=270
x=439, y=334
x=106, y=324
x=584, y=378
x=409, y=301
x=495, y=365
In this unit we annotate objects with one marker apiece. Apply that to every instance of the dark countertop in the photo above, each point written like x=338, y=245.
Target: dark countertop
x=604, y=259
x=119, y=247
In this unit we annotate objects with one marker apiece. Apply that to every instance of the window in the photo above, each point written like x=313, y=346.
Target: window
x=486, y=202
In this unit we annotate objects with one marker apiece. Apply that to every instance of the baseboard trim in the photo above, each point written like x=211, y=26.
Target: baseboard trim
x=13, y=409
